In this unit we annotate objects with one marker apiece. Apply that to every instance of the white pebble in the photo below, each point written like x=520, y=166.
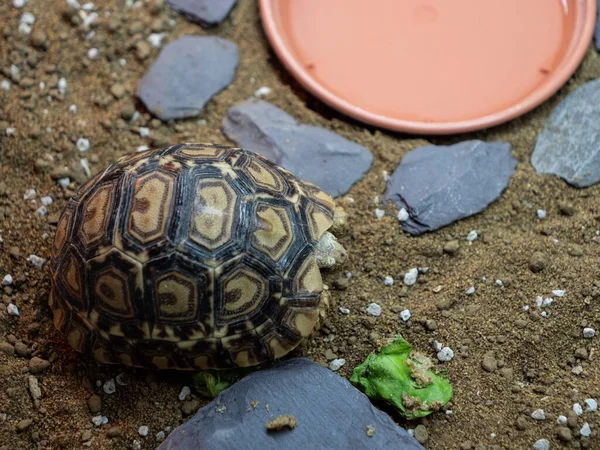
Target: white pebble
x=577, y=409
x=374, y=310
x=542, y=444
x=5, y=85
x=122, y=62
x=526, y=308
x=470, y=291
x=185, y=391
x=7, y=280
x=12, y=310
x=562, y=420
x=86, y=167
x=544, y=314
x=19, y=3
x=42, y=85
x=10, y=131
x=160, y=436
x=539, y=301
x=403, y=215
x=499, y=283
x=73, y=4
x=379, y=213
x=558, y=292
x=589, y=333
x=410, y=277
x=30, y=194
x=36, y=261
x=83, y=145
x=262, y=91
x=136, y=445
x=590, y=404
x=42, y=211
x=538, y=414
x=24, y=28
x=541, y=213
x=62, y=86
x=143, y=430
x=64, y=182
x=547, y=301
x=585, y=430
x=89, y=20
x=92, y=53
x=142, y=148
x=405, y=315
x=28, y=18
x=343, y=310
x=336, y=364
x=446, y=354
x=97, y=420
x=437, y=346
x=472, y=235
x=144, y=132
x=388, y=281
x=109, y=387
x=156, y=39
x=46, y=200
x=88, y=6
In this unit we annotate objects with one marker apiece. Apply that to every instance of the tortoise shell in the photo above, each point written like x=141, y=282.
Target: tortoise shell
x=189, y=257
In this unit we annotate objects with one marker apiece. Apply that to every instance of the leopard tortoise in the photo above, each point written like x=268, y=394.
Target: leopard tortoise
x=197, y=256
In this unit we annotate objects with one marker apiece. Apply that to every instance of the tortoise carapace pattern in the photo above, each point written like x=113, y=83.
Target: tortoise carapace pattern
x=196, y=256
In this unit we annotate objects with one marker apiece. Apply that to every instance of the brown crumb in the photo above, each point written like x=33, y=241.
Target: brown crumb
x=254, y=404
x=370, y=430
x=280, y=422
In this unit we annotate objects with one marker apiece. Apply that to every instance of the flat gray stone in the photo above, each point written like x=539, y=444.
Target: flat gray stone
x=438, y=185
x=187, y=74
x=203, y=12
x=312, y=153
x=569, y=144
x=330, y=414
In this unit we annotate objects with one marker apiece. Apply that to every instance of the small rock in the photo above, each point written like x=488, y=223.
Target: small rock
x=34, y=388
x=451, y=247
x=421, y=434
x=39, y=39
x=585, y=430
x=114, y=432
x=472, y=236
x=7, y=280
x=577, y=409
x=388, y=281
x=405, y=315
x=445, y=354
x=337, y=364
x=86, y=435
x=566, y=209
x=312, y=153
x=591, y=405
x=109, y=387
x=24, y=425
x=83, y=145
x=205, y=66
x=538, y=414
x=7, y=348
x=203, y=12
x=564, y=434
x=38, y=365
x=185, y=391
x=541, y=214
x=118, y=91
x=537, y=262
x=489, y=364
x=143, y=430
x=470, y=291
x=94, y=404
x=589, y=333
x=561, y=420
x=143, y=50
x=410, y=277
x=541, y=444
x=12, y=310
x=374, y=310
x=442, y=184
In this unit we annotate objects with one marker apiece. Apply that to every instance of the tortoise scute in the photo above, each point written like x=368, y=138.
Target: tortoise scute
x=191, y=257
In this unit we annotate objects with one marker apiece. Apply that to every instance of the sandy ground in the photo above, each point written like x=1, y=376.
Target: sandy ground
x=535, y=356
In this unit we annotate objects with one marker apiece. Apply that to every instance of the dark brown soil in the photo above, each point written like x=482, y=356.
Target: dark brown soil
x=529, y=359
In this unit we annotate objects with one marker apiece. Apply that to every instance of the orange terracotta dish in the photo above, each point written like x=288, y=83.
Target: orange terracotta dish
x=431, y=66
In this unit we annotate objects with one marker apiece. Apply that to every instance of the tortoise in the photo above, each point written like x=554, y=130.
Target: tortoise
x=195, y=256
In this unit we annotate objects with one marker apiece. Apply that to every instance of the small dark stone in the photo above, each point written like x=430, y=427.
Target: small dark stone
x=7, y=348
x=421, y=434
x=522, y=423
x=117, y=90
x=187, y=74
x=24, y=424
x=127, y=111
x=114, y=432
x=564, y=434
x=581, y=353
x=439, y=185
x=189, y=407
x=312, y=153
x=22, y=350
x=537, y=262
x=313, y=395
x=39, y=39
x=572, y=419
x=489, y=364
x=566, y=209
x=38, y=365
x=203, y=12
x=94, y=404
x=452, y=247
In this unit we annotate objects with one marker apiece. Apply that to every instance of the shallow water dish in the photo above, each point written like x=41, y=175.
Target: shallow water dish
x=431, y=67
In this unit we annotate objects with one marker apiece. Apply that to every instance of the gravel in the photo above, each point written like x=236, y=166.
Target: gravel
x=388, y=281
x=445, y=354
x=470, y=291
x=589, y=333
x=541, y=444
x=36, y=261
x=577, y=409
x=405, y=315
x=472, y=236
x=83, y=145
x=143, y=430
x=538, y=414
x=590, y=404
x=561, y=420
x=585, y=430
x=12, y=310
x=337, y=364
x=7, y=280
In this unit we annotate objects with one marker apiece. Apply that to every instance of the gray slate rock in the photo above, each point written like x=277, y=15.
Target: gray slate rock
x=203, y=12
x=187, y=74
x=439, y=185
x=330, y=414
x=314, y=154
x=569, y=144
